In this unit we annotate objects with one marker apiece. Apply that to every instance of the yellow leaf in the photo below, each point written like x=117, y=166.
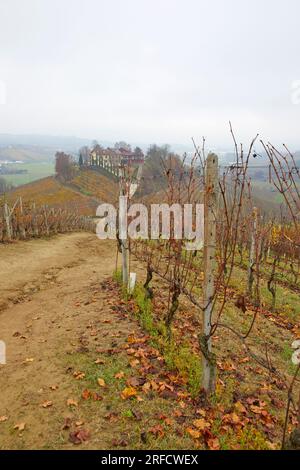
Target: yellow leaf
x=235, y=418
x=240, y=407
x=201, y=424
x=28, y=360
x=193, y=433
x=128, y=392
x=101, y=382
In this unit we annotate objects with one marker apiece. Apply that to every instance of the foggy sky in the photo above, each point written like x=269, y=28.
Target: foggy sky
x=151, y=70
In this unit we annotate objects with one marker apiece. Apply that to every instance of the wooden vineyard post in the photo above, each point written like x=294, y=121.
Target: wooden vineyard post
x=22, y=228
x=34, y=221
x=46, y=220
x=252, y=252
x=7, y=221
x=210, y=214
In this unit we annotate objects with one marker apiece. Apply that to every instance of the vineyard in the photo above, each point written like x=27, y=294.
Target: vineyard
x=49, y=191
x=238, y=286
x=211, y=328
x=93, y=183
x=24, y=221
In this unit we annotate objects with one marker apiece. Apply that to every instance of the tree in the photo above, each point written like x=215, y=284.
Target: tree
x=122, y=145
x=64, y=166
x=138, y=151
x=83, y=155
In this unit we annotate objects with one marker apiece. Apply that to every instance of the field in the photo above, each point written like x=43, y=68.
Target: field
x=35, y=171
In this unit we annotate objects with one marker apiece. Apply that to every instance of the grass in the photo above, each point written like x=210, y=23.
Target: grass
x=35, y=171
x=125, y=426
x=287, y=302
x=177, y=356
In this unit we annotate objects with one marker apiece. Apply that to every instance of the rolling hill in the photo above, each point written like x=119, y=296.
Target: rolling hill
x=83, y=194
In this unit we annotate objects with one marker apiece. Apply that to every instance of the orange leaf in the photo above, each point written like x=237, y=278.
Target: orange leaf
x=72, y=402
x=119, y=375
x=86, y=394
x=213, y=443
x=193, y=433
x=128, y=392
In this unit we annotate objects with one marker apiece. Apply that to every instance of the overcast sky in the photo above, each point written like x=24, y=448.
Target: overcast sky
x=151, y=70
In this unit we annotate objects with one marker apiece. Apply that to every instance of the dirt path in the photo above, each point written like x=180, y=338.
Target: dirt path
x=65, y=327
x=48, y=299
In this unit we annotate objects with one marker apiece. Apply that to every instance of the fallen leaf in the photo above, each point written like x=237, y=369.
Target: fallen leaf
x=79, y=423
x=96, y=396
x=101, y=382
x=47, y=404
x=86, y=394
x=193, y=433
x=119, y=375
x=128, y=392
x=240, y=407
x=20, y=426
x=134, y=363
x=77, y=437
x=213, y=443
x=201, y=424
x=157, y=430
x=99, y=361
x=78, y=375
x=168, y=421
x=72, y=402
x=120, y=443
x=28, y=360
x=112, y=417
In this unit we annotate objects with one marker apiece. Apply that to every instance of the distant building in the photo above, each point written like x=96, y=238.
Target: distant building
x=114, y=159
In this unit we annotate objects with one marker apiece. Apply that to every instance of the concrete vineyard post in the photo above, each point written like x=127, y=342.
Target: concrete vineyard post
x=210, y=211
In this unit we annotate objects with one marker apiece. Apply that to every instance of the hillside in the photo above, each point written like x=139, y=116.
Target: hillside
x=26, y=153
x=84, y=193
x=95, y=184
x=48, y=191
